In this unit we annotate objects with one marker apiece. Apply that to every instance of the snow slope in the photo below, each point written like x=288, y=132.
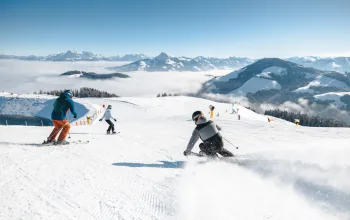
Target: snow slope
x=255, y=84
x=281, y=171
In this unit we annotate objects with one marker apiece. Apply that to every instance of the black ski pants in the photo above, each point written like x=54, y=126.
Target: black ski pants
x=111, y=125
x=214, y=145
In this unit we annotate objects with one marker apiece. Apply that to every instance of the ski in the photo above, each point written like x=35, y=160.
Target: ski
x=44, y=144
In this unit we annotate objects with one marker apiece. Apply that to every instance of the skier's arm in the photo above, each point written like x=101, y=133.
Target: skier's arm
x=103, y=116
x=72, y=109
x=193, y=140
x=113, y=118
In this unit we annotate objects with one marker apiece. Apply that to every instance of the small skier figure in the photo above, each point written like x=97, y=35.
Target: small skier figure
x=108, y=116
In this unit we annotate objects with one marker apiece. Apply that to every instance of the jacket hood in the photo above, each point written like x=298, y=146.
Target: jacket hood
x=202, y=120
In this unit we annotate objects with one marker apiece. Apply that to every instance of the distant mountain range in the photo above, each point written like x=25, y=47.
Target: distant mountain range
x=272, y=80
x=91, y=75
x=340, y=64
x=164, y=62
x=77, y=56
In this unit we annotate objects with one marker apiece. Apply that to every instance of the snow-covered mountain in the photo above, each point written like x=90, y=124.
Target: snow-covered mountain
x=339, y=64
x=277, y=81
x=72, y=55
x=164, y=62
x=281, y=171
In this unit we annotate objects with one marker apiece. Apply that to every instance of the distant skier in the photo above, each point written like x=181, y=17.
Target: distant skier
x=208, y=132
x=59, y=118
x=108, y=116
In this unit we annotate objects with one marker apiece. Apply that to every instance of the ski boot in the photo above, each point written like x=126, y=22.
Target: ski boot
x=48, y=142
x=225, y=153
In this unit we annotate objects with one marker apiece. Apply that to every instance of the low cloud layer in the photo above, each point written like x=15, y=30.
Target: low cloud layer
x=29, y=76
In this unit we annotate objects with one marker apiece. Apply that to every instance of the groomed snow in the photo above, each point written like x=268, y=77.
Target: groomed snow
x=281, y=171
x=273, y=69
x=255, y=84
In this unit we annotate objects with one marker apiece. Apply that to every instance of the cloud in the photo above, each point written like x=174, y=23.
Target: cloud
x=29, y=76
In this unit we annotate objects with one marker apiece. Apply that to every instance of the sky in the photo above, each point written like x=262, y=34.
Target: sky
x=220, y=28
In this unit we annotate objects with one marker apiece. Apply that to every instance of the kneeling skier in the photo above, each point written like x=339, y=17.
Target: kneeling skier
x=208, y=132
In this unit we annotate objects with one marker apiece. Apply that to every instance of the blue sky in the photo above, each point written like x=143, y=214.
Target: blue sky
x=219, y=28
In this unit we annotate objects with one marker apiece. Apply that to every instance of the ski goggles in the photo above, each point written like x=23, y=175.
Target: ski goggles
x=198, y=117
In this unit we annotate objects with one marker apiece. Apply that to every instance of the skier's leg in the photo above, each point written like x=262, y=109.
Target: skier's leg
x=207, y=148
x=65, y=130
x=221, y=150
x=225, y=153
x=55, y=130
x=110, y=125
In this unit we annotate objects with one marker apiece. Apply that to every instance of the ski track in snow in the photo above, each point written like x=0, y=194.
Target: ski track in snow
x=281, y=171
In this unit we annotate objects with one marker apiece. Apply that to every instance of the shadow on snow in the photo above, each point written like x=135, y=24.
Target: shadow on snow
x=163, y=164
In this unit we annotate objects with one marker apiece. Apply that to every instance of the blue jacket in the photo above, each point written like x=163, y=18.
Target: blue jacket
x=61, y=107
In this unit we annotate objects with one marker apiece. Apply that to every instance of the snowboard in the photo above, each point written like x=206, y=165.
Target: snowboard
x=114, y=133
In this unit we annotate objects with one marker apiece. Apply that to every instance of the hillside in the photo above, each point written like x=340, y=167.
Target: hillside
x=276, y=81
x=93, y=76
x=141, y=173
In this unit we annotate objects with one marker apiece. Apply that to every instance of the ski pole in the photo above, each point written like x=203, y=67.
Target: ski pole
x=230, y=143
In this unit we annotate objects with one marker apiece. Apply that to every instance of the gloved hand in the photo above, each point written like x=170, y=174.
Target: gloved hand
x=187, y=152
x=100, y=119
x=115, y=120
x=75, y=116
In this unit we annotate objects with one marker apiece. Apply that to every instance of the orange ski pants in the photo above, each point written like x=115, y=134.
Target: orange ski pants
x=58, y=126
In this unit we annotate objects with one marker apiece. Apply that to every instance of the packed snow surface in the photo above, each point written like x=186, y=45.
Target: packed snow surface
x=256, y=84
x=281, y=171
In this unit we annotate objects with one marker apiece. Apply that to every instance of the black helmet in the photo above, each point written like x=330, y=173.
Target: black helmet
x=109, y=107
x=196, y=115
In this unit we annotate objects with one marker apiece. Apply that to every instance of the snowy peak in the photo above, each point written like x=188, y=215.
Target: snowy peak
x=72, y=55
x=162, y=56
x=164, y=62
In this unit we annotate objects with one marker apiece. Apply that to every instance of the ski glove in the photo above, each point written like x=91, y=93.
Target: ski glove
x=75, y=116
x=100, y=119
x=115, y=119
x=186, y=152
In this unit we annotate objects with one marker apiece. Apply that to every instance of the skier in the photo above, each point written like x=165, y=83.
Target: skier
x=108, y=116
x=59, y=118
x=208, y=132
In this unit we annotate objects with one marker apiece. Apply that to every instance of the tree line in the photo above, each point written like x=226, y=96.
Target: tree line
x=166, y=94
x=306, y=120
x=81, y=93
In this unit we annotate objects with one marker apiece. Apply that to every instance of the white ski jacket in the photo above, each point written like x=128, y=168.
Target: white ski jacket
x=107, y=115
